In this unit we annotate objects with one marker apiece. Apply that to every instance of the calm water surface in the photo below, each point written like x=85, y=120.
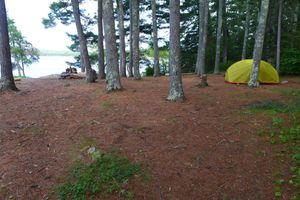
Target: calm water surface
x=47, y=65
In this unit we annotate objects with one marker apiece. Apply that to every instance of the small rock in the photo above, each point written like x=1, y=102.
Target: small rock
x=285, y=82
x=91, y=150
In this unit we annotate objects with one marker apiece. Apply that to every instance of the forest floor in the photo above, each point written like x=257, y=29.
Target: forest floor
x=209, y=147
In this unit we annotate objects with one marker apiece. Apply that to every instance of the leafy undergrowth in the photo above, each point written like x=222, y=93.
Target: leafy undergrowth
x=107, y=174
x=284, y=130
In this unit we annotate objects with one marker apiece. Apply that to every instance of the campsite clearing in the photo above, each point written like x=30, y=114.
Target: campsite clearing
x=208, y=147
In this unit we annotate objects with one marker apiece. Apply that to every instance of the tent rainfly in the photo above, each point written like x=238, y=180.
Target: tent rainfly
x=239, y=73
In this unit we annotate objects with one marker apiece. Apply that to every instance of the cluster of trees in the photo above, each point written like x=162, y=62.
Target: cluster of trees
x=236, y=19
x=205, y=36
x=22, y=51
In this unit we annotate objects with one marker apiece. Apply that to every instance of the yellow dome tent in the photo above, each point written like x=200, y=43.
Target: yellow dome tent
x=240, y=72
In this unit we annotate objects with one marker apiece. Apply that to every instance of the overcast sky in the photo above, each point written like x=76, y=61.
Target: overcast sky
x=28, y=16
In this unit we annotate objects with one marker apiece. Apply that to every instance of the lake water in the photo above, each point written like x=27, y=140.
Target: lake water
x=47, y=65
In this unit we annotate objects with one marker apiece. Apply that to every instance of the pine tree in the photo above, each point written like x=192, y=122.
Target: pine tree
x=155, y=39
x=90, y=77
x=259, y=43
x=135, y=39
x=112, y=76
x=218, y=41
x=122, y=39
x=7, y=80
x=101, y=67
x=176, y=89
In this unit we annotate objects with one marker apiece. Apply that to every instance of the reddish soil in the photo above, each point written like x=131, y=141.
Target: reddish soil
x=202, y=148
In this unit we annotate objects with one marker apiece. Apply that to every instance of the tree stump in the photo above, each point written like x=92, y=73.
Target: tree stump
x=203, y=81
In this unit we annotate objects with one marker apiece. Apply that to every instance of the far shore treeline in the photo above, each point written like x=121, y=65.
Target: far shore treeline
x=44, y=52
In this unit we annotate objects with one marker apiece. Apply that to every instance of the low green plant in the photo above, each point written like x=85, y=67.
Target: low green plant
x=291, y=92
x=107, y=174
x=277, y=121
x=267, y=105
x=285, y=132
x=106, y=105
x=149, y=71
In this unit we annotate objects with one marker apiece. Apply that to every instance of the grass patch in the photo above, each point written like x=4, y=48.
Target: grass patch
x=108, y=174
x=289, y=92
x=284, y=130
x=106, y=105
x=274, y=107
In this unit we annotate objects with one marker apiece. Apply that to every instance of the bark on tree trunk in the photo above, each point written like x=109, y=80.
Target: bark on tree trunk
x=135, y=39
x=130, y=65
x=82, y=40
x=81, y=63
x=278, y=35
x=176, y=89
x=246, y=34
x=203, y=21
x=155, y=39
x=122, y=40
x=112, y=68
x=259, y=43
x=7, y=80
x=23, y=69
x=19, y=69
x=219, y=33
x=225, y=35
x=101, y=66
x=296, y=13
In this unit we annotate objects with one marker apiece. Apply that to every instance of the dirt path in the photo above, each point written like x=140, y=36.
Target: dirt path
x=200, y=149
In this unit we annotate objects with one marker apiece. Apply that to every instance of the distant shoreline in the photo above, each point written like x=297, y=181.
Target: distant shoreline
x=57, y=53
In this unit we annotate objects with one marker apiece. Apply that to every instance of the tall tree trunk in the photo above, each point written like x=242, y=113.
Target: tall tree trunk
x=225, y=35
x=259, y=43
x=279, y=35
x=130, y=66
x=23, y=69
x=135, y=39
x=112, y=68
x=155, y=39
x=19, y=69
x=207, y=14
x=101, y=66
x=219, y=34
x=176, y=89
x=122, y=40
x=295, y=15
x=246, y=34
x=81, y=63
x=7, y=80
x=203, y=22
x=82, y=40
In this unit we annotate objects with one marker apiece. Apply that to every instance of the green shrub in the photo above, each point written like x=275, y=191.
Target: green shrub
x=107, y=174
x=225, y=66
x=290, y=62
x=149, y=71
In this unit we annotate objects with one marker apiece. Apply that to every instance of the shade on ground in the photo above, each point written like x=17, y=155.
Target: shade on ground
x=240, y=72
